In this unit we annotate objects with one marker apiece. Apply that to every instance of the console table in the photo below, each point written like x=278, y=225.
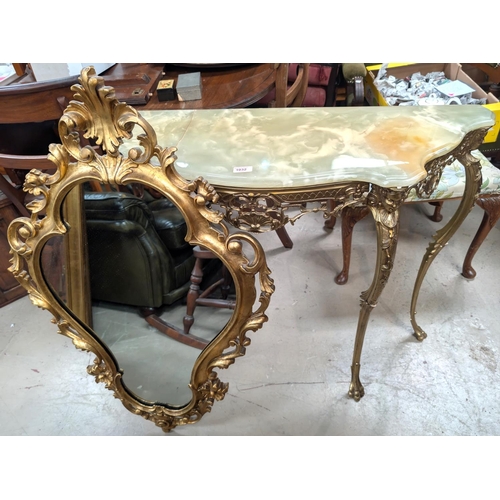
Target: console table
x=244, y=167
x=264, y=161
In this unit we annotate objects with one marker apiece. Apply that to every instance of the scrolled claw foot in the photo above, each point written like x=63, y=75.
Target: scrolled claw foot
x=356, y=390
x=419, y=334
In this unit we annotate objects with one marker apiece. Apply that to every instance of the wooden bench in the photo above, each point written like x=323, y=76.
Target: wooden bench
x=451, y=186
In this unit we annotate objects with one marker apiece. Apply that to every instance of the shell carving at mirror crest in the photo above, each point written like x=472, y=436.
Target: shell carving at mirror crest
x=97, y=115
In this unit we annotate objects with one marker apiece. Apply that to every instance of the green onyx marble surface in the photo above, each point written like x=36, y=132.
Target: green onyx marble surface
x=304, y=147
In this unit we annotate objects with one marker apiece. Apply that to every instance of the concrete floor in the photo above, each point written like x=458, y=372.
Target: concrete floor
x=295, y=375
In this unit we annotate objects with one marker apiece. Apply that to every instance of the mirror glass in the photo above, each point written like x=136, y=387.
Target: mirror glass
x=139, y=269
x=54, y=266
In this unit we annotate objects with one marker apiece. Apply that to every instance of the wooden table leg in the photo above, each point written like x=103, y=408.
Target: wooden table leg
x=384, y=205
x=350, y=217
x=491, y=207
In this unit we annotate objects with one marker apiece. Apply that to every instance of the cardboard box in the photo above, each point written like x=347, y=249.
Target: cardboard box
x=453, y=71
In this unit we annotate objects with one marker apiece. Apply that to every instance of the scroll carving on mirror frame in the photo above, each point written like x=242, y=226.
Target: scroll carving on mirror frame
x=96, y=117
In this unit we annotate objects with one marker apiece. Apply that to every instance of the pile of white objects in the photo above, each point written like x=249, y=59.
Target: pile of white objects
x=423, y=90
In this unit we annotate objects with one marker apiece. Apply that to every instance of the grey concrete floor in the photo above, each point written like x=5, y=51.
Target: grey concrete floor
x=295, y=375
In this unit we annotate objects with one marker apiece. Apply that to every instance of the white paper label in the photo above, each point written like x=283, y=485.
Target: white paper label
x=240, y=170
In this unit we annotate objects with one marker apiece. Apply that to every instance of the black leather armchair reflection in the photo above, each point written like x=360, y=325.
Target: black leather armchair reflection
x=138, y=255
x=131, y=262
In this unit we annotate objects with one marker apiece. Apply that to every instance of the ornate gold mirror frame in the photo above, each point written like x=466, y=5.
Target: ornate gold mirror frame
x=97, y=115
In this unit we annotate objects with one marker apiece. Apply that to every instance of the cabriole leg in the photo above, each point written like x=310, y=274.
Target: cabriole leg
x=491, y=207
x=439, y=240
x=384, y=205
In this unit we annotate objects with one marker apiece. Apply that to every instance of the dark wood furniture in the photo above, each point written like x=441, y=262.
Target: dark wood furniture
x=10, y=289
x=30, y=110
x=224, y=86
x=29, y=115
x=134, y=83
x=28, y=124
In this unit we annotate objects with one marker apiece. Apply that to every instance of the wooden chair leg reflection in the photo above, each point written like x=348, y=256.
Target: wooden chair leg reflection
x=151, y=316
x=386, y=217
x=196, y=297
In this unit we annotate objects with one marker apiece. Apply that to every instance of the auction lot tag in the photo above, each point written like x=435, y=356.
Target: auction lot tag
x=240, y=170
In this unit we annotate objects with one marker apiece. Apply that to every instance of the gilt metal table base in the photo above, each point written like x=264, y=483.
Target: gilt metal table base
x=473, y=181
x=266, y=210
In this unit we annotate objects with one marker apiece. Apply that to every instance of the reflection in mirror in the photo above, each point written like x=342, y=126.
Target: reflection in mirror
x=142, y=275
x=54, y=266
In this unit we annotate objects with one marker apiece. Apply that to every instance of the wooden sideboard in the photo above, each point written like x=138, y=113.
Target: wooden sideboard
x=10, y=289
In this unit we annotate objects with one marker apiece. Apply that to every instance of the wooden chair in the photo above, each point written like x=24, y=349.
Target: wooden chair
x=450, y=187
x=292, y=96
x=28, y=124
x=286, y=97
x=328, y=84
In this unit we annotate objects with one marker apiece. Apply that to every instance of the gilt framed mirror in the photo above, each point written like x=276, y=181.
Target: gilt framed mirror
x=128, y=256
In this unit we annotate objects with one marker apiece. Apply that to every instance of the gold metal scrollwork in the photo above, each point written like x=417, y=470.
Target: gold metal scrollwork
x=97, y=115
x=261, y=212
x=435, y=167
x=472, y=188
x=384, y=205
